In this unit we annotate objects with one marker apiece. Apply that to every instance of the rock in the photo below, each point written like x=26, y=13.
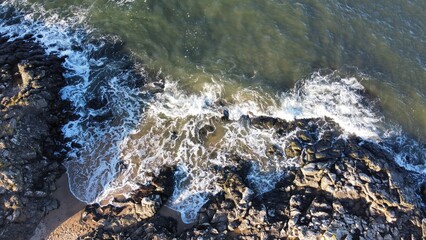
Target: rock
x=225, y=116
x=219, y=217
x=29, y=97
x=423, y=227
x=54, y=204
x=27, y=76
x=148, y=206
x=204, y=131
x=264, y=122
x=245, y=121
x=304, y=136
x=293, y=149
x=341, y=191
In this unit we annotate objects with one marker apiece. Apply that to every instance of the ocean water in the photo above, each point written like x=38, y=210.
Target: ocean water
x=244, y=57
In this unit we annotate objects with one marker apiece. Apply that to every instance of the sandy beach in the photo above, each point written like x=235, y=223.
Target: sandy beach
x=62, y=223
x=168, y=212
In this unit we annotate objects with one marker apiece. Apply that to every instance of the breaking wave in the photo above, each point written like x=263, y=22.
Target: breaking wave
x=123, y=132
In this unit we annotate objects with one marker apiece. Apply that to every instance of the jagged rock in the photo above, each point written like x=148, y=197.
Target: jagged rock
x=345, y=191
x=304, y=136
x=225, y=116
x=29, y=126
x=264, y=122
x=293, y=149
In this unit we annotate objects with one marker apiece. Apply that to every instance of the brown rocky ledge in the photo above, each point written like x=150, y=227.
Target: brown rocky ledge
x=343, y=189
x=30, y=119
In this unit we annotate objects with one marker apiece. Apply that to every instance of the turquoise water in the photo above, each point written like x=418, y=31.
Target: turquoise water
x=258, y=57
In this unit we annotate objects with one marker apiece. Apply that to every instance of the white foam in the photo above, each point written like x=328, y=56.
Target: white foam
x=178, y=113
x=341, y=99
x=123, y=2
x=407, y=152
x=127, y=149
x=94, y=165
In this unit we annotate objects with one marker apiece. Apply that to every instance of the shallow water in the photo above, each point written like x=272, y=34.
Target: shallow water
x=247, y=54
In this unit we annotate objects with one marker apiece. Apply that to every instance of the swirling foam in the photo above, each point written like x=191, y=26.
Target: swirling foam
x=92, y=75
x=171, y=132
x=127, y=146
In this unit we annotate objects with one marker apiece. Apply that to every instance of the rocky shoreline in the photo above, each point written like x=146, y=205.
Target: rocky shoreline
x=31, y=114
x=343, y=189
x=340, y=189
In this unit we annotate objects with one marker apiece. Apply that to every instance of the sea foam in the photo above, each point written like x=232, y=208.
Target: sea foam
x=169, y=133
x=122, y=135
x=92, y=76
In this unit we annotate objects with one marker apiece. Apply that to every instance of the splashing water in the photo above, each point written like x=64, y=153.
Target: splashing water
x=123, y=135
x=186, y=130
x=92, y=75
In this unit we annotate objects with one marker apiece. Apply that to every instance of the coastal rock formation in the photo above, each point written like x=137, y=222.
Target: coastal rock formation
x=135, y=216
x=342, y=188
x=30, y=119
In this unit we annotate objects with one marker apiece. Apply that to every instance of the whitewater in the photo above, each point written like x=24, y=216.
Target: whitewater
x=127, y=125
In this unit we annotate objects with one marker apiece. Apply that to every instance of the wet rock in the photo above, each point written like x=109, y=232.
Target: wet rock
x=343, y=191
x=245, y=121
x=304, y=136
x=225, y=116
x=293, y=149
x=96, y=103
x=264, y=122
x=204, y=131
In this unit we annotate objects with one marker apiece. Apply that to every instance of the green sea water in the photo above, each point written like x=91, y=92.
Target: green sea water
x=274, y=43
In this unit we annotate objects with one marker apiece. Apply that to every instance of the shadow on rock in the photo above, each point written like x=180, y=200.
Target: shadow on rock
x=30, y=136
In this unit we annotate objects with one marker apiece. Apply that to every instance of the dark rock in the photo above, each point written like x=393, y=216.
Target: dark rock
x=293, y=148
x=225, y=116
x=264, y=122
x=30, y=109
x=340, y=189
x=245, y=120
x=343, y=190
x=204, y=131
x=96, y=103
x=304, y=136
